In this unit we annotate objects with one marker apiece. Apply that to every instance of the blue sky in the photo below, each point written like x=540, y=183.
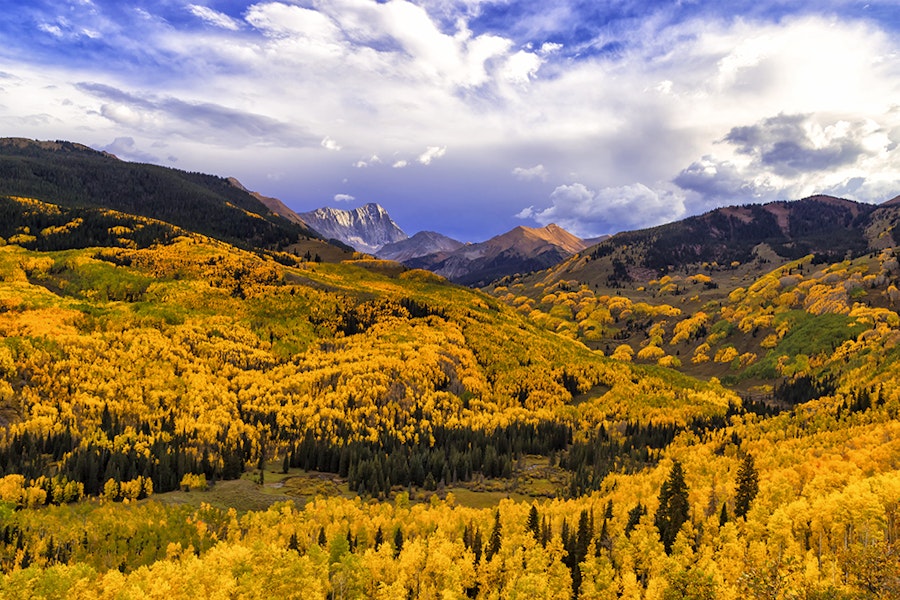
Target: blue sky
x=470, y=117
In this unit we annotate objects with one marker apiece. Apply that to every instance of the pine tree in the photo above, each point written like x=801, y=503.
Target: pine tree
x=379, y=537
x=747, y=486
x=494, y=541
x=634, y=517
x=723, y=516
x=673, y=507
x=534, y=523
x=398, y=542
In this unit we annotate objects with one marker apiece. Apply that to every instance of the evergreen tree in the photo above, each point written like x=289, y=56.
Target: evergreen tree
x=546, y=532
x=477, y=546
x=634, y=517
x=534, y=523
x=494, y=541
x=379, y=537
x=673, y=507
x=723, y=516
x=747, y=486
x=603, y=540
x=398, y=542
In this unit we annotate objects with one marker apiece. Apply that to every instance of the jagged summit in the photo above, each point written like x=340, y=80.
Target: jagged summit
x=366, y=228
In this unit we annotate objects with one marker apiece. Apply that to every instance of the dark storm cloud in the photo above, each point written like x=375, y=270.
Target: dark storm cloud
x=714, y=180
x=783, y=145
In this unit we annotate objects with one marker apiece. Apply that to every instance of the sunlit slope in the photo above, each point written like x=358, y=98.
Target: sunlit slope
x=122, y=369
x=823, y=524
x=195, y=356
x=772, y=329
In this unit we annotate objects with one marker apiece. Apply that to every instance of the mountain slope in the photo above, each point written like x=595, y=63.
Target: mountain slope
x=421, y=244
x=73, y=175
x=707, y=313
x=273, y=204
x=366, y=228
x=520, y=250
x=830, y=228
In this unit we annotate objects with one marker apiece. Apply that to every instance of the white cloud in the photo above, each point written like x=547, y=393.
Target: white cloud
x=343, y=198
x=588, y=213
x=431, y=153
x=330, y=144
x=54, y=30
x=372, y=160
x=528, y=174
x=400, y=164
x=550, y=48
x=521, y=67
x=214, y=17
x=525, y=213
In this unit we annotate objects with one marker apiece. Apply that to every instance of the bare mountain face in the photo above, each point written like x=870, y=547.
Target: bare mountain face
x=366, y=228
x=521, y=250
x=832, y=229
x=421, y=244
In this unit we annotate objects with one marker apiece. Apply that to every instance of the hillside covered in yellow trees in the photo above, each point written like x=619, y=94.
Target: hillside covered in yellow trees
x=191, y=417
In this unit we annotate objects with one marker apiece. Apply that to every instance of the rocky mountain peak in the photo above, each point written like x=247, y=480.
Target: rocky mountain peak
x=366, y=228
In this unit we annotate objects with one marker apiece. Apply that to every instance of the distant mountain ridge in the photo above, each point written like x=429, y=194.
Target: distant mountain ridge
x=828, y=227
x=520, y=250
x=366, y=228
x=421, y=244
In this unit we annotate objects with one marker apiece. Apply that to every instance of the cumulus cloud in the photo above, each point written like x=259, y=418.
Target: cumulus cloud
x=330, y=144
x=214, y=17
x=525, y=213
x=372, y=160
x=343, y=198
x=431, y=153
x=400, y=164
x=528, y=174
x=789, y=144
x=794, y=155
x=717, y=181
x=588, y=213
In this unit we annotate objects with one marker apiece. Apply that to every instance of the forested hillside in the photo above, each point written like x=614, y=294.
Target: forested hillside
x=77, y=177
x=458, y=444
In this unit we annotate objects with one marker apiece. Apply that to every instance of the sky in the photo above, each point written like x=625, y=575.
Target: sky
x=470, y=117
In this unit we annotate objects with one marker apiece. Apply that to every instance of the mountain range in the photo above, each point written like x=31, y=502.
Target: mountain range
x=75, y=176
x=521, y=250
x=371, y=230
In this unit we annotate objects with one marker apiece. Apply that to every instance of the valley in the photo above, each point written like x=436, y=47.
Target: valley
x=193, y=408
